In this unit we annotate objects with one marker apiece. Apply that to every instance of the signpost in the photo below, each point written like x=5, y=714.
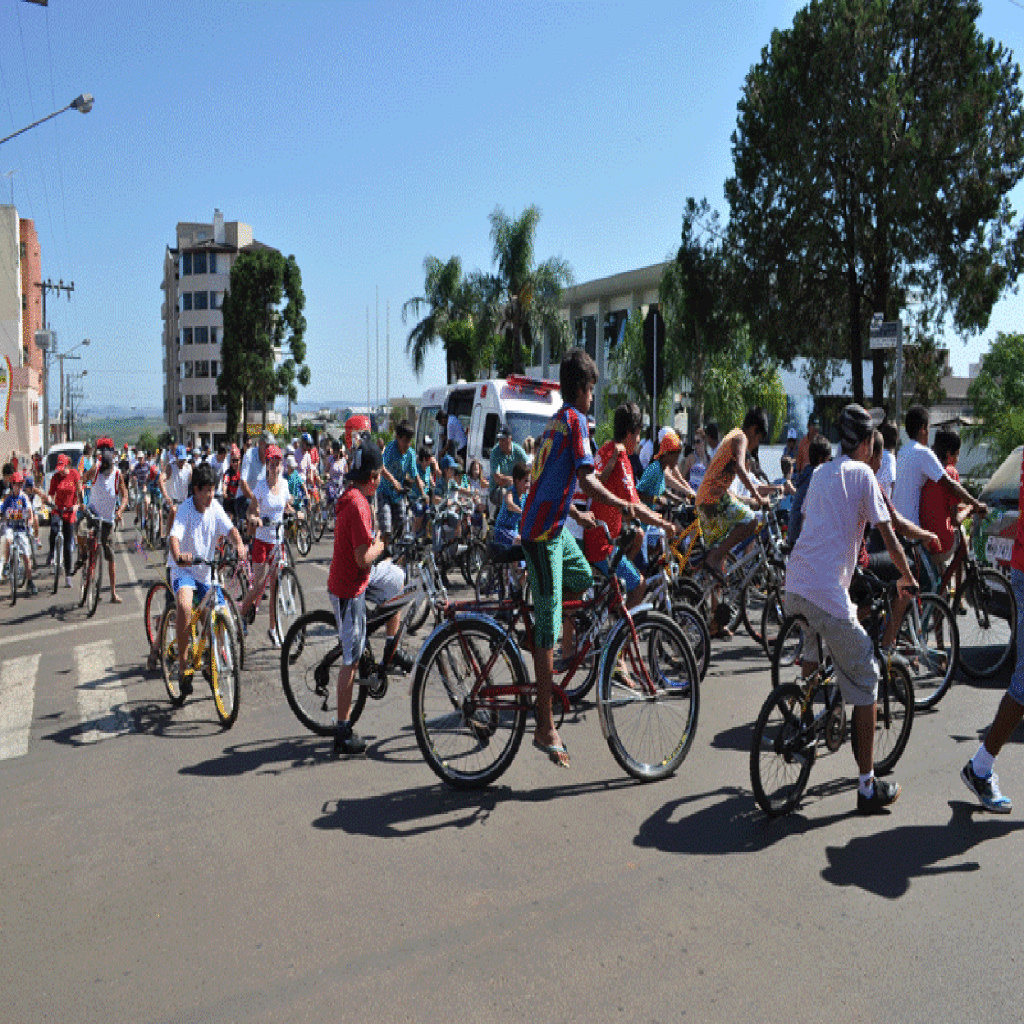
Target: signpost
x=886, y=334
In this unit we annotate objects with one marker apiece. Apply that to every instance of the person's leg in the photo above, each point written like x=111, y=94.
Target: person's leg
x=577, y=578
x=350, y=617
x=183, y=609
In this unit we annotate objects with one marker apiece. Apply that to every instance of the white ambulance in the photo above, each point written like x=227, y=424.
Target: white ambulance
x=523, y=404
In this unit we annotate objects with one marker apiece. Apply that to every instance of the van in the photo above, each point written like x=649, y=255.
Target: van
x=523, y=404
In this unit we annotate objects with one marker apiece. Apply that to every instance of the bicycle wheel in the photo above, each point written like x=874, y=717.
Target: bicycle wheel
x=225, y=674
x=773, y=615
x=289, y=603
x=986, y=617
x=488, y=584
x=892, y=730
x=12, y=573
x=311, y=686
x=468, y=742
x=92, y=599
x=86, y=570
x=319, y=522
x=649, y=731
x=236, y=621
x=303, y=537
x=782, y=751
x=472, y=559
x=158, y=600
x=753, y=598
x=169, y=657
x=928, y=642
x=695, y=629
x=791, y=647
x=235, y=582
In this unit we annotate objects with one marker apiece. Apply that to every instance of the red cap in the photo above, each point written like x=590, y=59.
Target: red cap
x=17, y=478
x=272, y=452
x=62, y=460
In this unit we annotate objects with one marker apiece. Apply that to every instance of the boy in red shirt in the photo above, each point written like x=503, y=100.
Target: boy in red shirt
x=352, y=579
x=616, y=473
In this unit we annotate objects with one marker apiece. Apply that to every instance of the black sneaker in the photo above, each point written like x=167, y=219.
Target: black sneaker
x=347, y=743
x=986, y=790
x=32, y=588
x=885, y=793
x=401, y=660
x=186, y=682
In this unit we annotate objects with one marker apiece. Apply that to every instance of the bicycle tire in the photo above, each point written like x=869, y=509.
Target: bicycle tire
x=418, y=613
x=225, y=667
x=468, y=746
x=236, y=583
x=84, y=569
x=58, y=559
x=318, y=522
x=12, y=572
x=986, y=618
x=303, y=537
x=753, y=598
x=153, y=610
x=930, y=645
x=891, y=740
x=781, y=752
x=649, y=734
x=789, y=650
x=169, y=657
x=289, y=602
x=695, y=629
x=773, y=615
x=313, y=699
x=472, y=559
x=95, y=578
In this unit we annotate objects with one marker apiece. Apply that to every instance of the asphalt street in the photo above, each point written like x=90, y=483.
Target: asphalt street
x=154, y=867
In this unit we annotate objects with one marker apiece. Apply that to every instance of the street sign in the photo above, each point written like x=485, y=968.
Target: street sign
x=884, y=333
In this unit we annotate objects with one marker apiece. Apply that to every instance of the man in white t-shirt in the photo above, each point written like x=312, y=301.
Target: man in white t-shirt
x=175, y=480
x=842, y=499
x=918, y=463
x=199, y=524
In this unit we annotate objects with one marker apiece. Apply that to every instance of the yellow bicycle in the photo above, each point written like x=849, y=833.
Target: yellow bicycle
x=212, y=650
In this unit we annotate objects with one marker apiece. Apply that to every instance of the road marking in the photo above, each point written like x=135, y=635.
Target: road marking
x=17, y=695
x=102, y=699
x=42, y=634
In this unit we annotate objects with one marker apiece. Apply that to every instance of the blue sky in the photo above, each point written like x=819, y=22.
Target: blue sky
x=362, y=137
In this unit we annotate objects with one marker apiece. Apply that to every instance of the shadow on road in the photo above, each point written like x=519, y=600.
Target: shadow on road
x=427, y=809
x=884, y=863
x=267, y=757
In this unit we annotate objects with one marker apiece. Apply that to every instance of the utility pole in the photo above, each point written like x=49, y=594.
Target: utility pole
x=44, y=287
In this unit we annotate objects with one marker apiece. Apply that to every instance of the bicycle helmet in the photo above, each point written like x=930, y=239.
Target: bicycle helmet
x=854, y=427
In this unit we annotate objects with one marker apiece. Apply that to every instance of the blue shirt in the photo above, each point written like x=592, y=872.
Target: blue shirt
x=652, y=483
x=399, y=466
x=17, y=511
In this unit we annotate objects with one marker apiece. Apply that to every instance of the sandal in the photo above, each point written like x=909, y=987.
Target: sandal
x=556, y=752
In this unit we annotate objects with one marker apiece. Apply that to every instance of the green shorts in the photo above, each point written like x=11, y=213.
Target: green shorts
x=552, y=565
x=718, y=518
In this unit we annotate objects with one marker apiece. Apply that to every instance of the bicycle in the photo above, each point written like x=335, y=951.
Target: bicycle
x=289, y=604
x=57, y=526
x=798, y=716
x=311, y=658
x=297, y=528
x=415, y=555
x=91, y=564
x=216, y=642
x=471, y=693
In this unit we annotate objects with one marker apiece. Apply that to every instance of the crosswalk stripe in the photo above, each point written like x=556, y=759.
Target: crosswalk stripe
x=17, y=694
x=102, y=699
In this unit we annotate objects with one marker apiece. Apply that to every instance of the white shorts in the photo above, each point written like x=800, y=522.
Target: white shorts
x=386, y=582
x=20, y=540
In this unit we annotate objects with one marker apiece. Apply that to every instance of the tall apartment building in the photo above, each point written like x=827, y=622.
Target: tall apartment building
x=196, y=276
x=20, y=317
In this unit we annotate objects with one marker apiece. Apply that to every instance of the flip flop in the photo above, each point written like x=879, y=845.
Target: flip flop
x=556, y=752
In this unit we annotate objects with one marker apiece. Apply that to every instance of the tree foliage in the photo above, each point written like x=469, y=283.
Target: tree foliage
x=446, y=300
x=876, y=145
x=734, y=381
x=997, y=395
x=263, y=316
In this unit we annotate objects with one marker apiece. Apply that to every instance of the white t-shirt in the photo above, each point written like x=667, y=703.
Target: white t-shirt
x=916, y=464
x=198, y=535
x=271, y=505
x=178, y=481
x=646, y=451
x=887, y=473
x=105, y=494
x=842, y=499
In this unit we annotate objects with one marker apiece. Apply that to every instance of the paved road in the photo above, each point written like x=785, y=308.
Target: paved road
x=156, y=868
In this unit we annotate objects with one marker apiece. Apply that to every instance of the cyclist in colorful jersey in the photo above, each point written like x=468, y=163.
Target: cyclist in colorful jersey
x=725, y=521
x=64, y=497
x=18, y=519
x=552, y=556
x=616, y=473
x=660, y=475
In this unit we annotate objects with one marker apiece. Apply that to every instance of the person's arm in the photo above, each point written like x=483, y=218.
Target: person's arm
x=897, y=554
x=609, y=466
x=584, y=519
x=124, y=496
x=905, y=528
x=963, y=494
x=246, y=489
x=677, y=483
x=757, y=491
x=593, y=488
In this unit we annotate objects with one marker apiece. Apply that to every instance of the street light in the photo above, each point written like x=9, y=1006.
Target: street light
x=72, y=393
x=82, y=103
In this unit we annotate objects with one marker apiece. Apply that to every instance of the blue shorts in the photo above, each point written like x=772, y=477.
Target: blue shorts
x=626, y=571
x=182, y=578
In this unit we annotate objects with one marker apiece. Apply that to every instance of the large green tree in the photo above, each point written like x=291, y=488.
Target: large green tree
x=876, y=144
x=447, y=299
x=525, y=296
x=997, y=395
x=263, y=317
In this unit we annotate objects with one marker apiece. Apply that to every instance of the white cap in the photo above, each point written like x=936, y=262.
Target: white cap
x=661, y=434
x=792, y=433
x=290, y=462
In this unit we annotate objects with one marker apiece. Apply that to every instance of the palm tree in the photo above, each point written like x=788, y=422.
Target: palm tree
x=527, y=296
x=447, y=300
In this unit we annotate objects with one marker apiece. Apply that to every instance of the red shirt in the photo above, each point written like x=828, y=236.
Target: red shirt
x=1017, y=558
x=938, y=509
x=64, y=490
x=353, y=528
x=621, y=483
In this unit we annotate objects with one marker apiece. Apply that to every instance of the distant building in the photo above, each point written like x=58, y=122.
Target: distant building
x=197, y=271
x=21, y=315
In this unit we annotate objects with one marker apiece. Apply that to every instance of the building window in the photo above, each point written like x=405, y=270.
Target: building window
x=216, y=405
x=216, y=300
x=187, y=372
x=179, y=403
x=186, y=335
x=213, y=335
x=186, y=263
x=189, y=403
x=22, y=249
x=213, y=368
x=199, y=300
x=201, y=335
x=213, y=263
x=186, y=301
x=202, y=403
x=202, y=368
x=199, y=263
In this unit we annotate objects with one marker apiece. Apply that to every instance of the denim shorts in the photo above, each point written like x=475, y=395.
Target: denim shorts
x=627, y=572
